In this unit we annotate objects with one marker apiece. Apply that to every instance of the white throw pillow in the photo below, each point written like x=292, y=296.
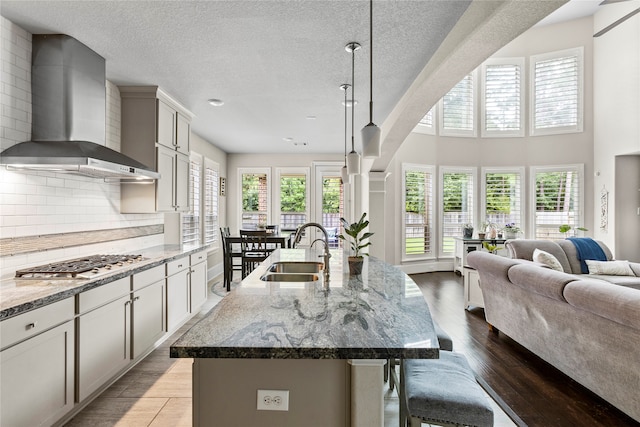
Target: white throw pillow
x=547, y=259
x=610, y=268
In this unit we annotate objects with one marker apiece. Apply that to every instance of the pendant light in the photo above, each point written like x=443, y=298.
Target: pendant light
x=353, y=158
x=346, y=178
x=371, y=146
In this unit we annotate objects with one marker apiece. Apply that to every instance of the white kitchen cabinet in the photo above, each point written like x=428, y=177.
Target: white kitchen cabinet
x=104, y=335
x=155, y=131
x=148, y=310
x=472, y=292
x=178, y=295
x=198, y=280
x=37, y=372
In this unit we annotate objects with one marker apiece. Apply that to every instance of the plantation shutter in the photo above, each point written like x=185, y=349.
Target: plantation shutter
x=557, y=92
x=418, y=211
x=558, y=200
x=502, y=100
x=191, y=219
x=458, y=109
x=211, y=201
x=503, y=198
x=457, y=207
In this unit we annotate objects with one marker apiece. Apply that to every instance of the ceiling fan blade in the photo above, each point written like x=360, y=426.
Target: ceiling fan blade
x=616, y=23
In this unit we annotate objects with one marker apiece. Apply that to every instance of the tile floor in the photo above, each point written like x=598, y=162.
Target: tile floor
x=157, y=393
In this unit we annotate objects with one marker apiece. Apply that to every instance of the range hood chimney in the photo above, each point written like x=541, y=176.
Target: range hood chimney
x=69, y=108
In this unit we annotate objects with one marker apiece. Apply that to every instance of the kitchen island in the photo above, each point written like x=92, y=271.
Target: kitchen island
x=324, y=343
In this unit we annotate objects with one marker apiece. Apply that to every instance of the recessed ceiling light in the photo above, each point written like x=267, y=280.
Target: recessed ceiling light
x=349, y=101
x=216, y=102
x=311, y=117
x=287, y=139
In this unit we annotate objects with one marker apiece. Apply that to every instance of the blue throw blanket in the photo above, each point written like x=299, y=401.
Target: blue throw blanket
x=587, y=249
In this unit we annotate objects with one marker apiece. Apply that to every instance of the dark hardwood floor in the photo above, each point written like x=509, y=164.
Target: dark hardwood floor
x=537, y=392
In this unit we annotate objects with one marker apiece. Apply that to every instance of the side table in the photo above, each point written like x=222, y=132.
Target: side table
x=472, y=291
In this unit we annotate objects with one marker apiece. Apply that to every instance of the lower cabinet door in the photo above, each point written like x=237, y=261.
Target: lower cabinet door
x=198, y=286
x=103, y=345
x=37, y=379
x=177, y=299
x=148, y=317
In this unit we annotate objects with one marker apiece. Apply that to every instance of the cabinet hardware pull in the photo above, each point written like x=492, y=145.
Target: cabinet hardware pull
x=31, y=325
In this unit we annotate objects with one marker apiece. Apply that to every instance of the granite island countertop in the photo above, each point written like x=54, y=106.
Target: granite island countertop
x=380, y=314
x=18, y=296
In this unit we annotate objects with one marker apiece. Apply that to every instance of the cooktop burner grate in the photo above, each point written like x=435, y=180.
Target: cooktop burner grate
x=73, y=267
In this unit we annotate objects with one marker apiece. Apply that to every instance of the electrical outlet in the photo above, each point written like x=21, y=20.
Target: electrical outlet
x=273, y=400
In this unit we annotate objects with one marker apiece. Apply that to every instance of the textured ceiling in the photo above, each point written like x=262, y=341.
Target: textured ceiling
x=274, y=63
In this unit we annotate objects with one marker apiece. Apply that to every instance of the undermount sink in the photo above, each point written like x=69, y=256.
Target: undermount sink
x=296, y=267
x=290, y=277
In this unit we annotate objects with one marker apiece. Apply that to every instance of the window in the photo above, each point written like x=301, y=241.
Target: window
x=191, y=219
x=293, y=197
x=330, y=201
x=502, y=196
x=458, y=109
x=255, y=190
x=556, y=92
x=417, y=227
x=427, y=124
x=502, y=97
x=558, y=199
x=457, y=204
x=211, y=203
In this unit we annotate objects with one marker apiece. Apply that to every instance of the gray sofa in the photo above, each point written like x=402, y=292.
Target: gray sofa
x=586, y=327
x=565, y=252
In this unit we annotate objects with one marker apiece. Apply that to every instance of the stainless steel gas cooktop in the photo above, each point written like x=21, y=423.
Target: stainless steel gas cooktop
x=80, y=268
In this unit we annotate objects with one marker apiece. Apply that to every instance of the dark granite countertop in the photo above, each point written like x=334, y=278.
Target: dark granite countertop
x=378, y=315
x=18, y=296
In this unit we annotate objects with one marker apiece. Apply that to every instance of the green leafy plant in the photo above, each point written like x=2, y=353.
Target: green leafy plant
x=356, y=240
x=565, y=228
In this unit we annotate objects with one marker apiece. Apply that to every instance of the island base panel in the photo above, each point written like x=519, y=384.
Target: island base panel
x=225, y=392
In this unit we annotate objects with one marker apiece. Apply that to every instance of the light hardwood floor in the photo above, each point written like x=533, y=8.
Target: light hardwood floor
x=157, y=393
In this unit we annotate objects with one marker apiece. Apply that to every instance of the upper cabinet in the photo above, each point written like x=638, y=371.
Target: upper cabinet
x=155, y=131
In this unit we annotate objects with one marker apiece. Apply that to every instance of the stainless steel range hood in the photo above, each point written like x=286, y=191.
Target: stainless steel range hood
x=69, y=108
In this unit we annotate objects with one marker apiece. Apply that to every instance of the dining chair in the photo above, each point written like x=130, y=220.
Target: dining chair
x=254, y=249
x=228, y=256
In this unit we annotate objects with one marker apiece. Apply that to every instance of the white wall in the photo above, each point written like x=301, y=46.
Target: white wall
x=526, y=151
x=617, y=112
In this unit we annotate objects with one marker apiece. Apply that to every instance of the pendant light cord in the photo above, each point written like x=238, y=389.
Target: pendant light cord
x=371, y=61
x=353, y=65
x=346, y=87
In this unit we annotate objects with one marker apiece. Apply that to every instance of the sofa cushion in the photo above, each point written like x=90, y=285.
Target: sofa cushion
x=628, y=281
x=610, y=268
x=523, y=249
x=618, y=303
x=546, y=259
x=572, y=254
x=542, y=281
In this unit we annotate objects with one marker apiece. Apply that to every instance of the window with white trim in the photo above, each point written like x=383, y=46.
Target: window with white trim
x=558, y=198
x=418, y=225
x=191, y=218
x=557, y=92
x=255, y=188
x=457, y=204
x=427, y=125
x=292, y=195
x=502, y=97
x=458, y=108
x=502, y=192
x=211, y=203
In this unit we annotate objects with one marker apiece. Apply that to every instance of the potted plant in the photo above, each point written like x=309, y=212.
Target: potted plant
x=511, y=231
x=467, y=231
x=565, y=228
x=357, y=242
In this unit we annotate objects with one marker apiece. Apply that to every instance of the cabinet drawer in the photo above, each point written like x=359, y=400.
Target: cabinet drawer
x=36, y=321
x=147, y=277
x=177, y=265
x=198, y=257
x=99, y=296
